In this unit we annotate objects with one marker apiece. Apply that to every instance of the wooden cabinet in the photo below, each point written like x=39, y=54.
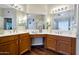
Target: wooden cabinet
x=61, y=44
x=24, y=43
x=7, y=38
x=15, y=44
x=9, y=46
x=18, y=44
x=51, y=42
x=64, y=47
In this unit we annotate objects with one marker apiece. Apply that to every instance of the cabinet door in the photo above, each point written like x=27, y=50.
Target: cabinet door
x=64, y=47
x=51, y=43
x=24, y=44
x=10, y=48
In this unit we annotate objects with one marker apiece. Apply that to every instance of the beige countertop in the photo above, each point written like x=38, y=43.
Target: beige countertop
x=8, y=33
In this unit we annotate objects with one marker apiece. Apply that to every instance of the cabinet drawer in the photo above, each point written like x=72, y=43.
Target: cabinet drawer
x=52, y=36
x=24, y=36
x=66, y=39
x=64, y=42
x=51, y=43
x=38, y=35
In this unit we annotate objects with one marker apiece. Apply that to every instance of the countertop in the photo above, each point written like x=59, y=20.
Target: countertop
x=8, y=33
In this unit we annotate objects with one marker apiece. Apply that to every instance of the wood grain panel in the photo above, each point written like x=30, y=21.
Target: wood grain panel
x=8, y=38
x=10, y=48
x=24, y=43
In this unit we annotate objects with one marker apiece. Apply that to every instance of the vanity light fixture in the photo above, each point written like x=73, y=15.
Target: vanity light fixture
x=60, y=8
x=16, y=6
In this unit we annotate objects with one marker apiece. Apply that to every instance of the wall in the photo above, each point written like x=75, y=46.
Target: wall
x=1, y=20
x=36, y=9
x=77, y=20
x=1, y=12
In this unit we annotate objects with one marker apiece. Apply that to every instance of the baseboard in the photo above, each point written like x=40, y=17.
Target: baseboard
x=37, y=46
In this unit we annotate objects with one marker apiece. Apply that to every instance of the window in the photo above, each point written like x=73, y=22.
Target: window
x=62, y=24
x=63, y=20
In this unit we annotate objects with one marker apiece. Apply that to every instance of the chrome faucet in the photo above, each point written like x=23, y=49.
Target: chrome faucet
x=40, y=29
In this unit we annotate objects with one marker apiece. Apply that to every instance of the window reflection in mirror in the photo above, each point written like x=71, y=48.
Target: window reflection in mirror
x=63, y=20
x=62, y=24
x=7, y=23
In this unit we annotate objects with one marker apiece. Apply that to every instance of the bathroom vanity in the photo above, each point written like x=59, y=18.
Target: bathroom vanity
x=61, y=19
x=61, y=44
x=21, y=42
x=15, y=44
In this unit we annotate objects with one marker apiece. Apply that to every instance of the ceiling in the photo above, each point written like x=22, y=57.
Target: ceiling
x=24, y=5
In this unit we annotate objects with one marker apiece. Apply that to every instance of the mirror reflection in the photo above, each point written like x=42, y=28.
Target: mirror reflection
x=63, y=20
x=36, y=21
x=61, y=17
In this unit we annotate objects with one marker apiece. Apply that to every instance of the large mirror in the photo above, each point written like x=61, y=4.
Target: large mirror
x=63, y=20
x=21, y=20
x=36, y=21
x=7, y=18
x=12, y=19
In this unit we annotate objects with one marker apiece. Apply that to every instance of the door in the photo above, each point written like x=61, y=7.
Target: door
x=51, y=43
x=24, y=43
x=64, y=47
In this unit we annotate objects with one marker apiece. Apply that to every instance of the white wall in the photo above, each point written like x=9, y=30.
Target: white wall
x=36, y=9
x=1, y=12
x=1, y=19
x=77, y=19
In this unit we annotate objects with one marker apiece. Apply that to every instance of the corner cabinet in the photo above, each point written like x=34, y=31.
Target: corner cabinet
x=15, y=44
x=24, y=43
x=61, y=44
